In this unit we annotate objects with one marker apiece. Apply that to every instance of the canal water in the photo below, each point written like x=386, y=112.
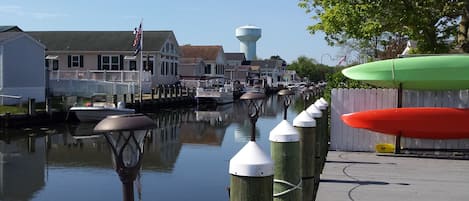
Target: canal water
x=185, y=158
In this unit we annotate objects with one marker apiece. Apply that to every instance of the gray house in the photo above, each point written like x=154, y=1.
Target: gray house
x=22, y=71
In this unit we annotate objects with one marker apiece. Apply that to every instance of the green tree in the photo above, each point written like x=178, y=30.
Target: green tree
x=432, y=23
x=308, y=67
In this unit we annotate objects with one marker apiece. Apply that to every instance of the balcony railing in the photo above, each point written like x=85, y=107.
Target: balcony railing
x=100, y=75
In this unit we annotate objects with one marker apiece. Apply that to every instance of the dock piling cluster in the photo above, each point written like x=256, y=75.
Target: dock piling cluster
x=298, y=154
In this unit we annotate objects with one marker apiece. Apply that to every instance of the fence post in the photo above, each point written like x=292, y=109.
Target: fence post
x=31, y=106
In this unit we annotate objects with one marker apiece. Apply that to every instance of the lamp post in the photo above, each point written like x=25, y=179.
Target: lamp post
x=285, y=152
x=125, y=135
x=251, y=169
x=254, y=105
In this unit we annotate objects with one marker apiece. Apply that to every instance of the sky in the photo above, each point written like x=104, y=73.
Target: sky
x=195, y=22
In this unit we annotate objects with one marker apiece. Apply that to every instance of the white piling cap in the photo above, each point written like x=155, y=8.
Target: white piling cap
x=314, y=111
x=284, y=132
x=324, y=101
x=319, y=104
x=304, y=120
x=251, y=161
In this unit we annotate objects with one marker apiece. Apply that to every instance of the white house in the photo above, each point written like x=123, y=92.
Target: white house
x=22, y=69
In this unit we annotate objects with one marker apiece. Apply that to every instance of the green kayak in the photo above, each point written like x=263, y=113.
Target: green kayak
x=439, y=72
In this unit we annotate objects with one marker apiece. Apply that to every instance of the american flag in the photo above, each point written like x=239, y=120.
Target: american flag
x=138, y=38
x=344, y=58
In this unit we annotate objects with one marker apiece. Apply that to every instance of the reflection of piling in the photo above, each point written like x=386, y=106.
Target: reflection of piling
x=307, y=130
x=251, y=174
x=315, y=113
x=285, y=151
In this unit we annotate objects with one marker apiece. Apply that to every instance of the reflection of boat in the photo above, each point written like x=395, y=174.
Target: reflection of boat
x=415, y=122
x=99, y=108
x=219, y=113
x=425, y=72
x=214, y=91
x=81, y=130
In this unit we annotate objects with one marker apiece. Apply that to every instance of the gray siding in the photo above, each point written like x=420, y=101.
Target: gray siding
x=23, y=64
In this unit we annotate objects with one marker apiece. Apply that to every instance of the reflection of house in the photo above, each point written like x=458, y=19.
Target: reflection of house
x=194, y=133
x=22, y=65
x=22, y=173
x=94, y=52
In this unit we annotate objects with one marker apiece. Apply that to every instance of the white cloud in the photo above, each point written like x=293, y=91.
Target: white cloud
x=18, y=11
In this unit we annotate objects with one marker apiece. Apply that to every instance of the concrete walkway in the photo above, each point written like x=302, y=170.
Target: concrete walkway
x=358, y=176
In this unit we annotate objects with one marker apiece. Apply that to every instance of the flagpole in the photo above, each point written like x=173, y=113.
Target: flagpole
x=141, y=67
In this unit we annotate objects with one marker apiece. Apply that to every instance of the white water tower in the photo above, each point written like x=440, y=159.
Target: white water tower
x=248, y=35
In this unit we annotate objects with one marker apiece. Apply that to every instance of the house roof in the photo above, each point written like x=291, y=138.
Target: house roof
x=4, y=36
x=99, y=40
x=270, y=63
x=239, y=56
x=11, y=35
x=10, y=28
x=204, y=52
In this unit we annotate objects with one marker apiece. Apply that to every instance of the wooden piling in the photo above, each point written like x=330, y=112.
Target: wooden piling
x=315, y=113
x=251, y=173
x=306, y=127
x=285, y=152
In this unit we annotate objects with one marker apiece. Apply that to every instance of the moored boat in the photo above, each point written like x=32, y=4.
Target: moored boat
x=99, y=109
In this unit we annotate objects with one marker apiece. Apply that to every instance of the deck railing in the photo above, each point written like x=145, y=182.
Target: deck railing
x=100, y=75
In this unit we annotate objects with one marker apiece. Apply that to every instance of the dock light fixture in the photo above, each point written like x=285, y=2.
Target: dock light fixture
x=255, y=102
x=287, y=100
x=125, y=135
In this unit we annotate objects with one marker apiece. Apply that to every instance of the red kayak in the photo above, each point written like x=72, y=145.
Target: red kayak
x=414, y=122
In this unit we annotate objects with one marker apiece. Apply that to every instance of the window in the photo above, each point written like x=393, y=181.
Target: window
x=75, y=61
x=162, y=68
x=172, y=68
x=176, y=68
x=208, y=69
x=54, y=63
x=166, y=68
x=114, y=62
x=132, y=65
x=110, y=62
x=148, y=62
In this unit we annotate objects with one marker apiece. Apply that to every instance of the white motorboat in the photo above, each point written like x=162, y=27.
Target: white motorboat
x=97, y=111
x=210, y=91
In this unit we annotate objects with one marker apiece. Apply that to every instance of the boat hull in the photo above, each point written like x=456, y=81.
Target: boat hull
x=417, y=122
x=87, y=114
x=214, y=96
x=445, y=72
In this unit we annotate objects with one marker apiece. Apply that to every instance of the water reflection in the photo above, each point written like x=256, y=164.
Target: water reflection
x=28, y=154
x=21, y=159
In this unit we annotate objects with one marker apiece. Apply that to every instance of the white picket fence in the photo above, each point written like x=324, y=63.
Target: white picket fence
x=345, y=138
